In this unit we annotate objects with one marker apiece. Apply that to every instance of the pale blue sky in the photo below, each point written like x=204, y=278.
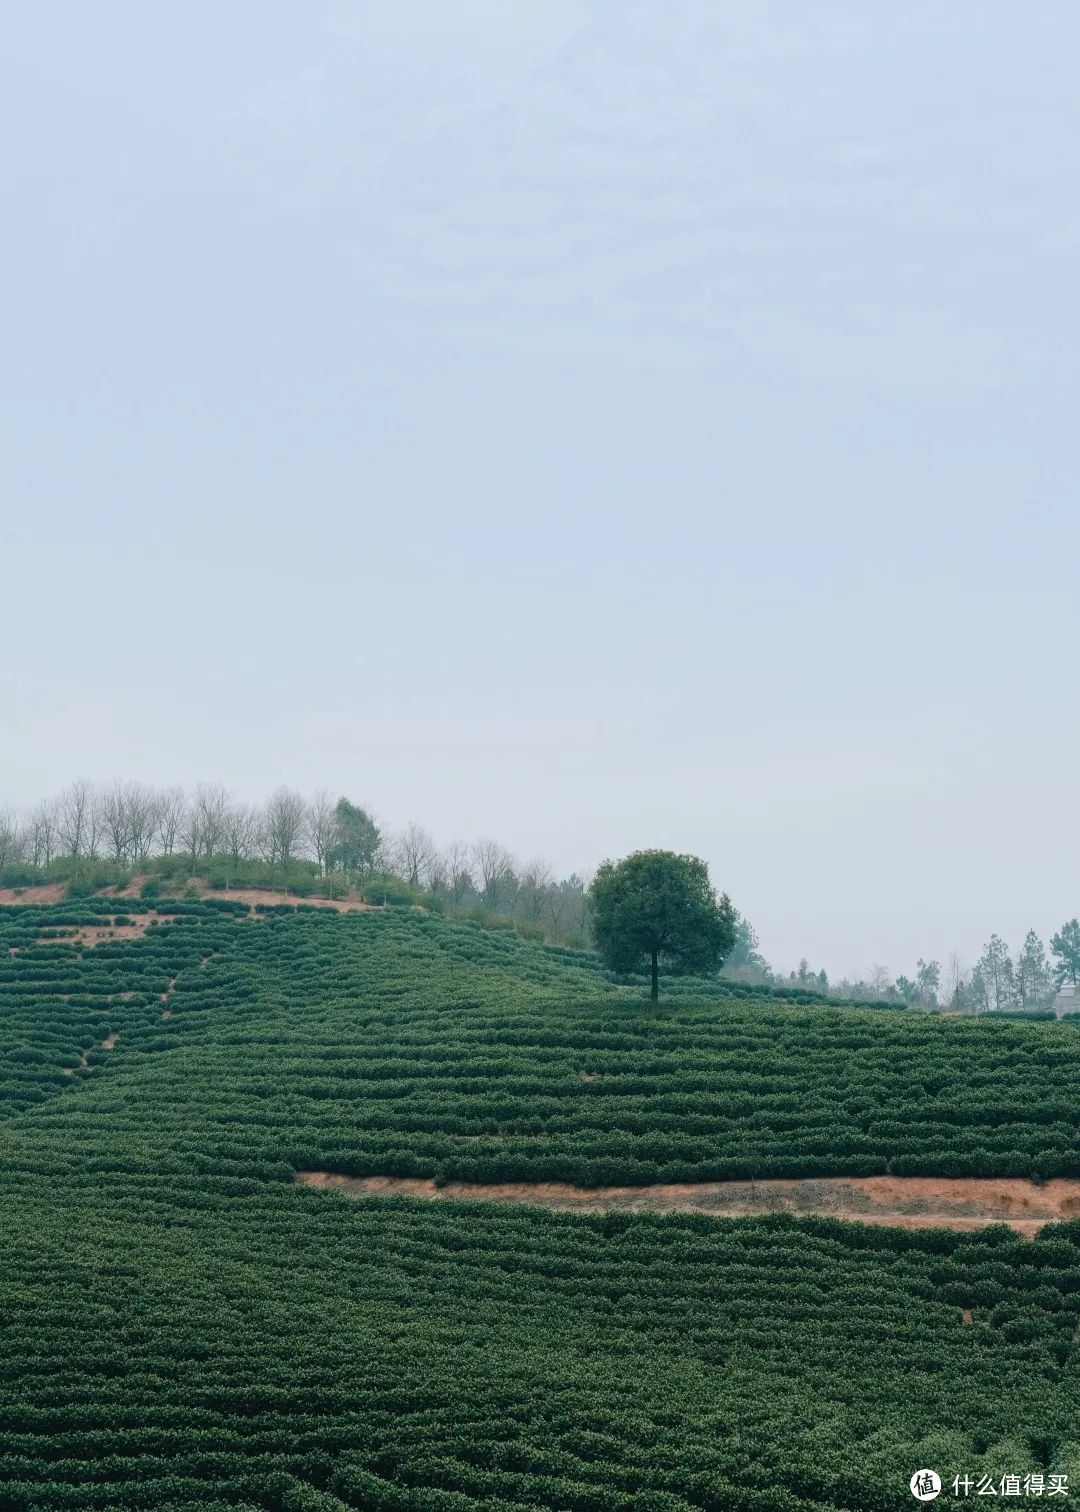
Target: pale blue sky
x=594, y=424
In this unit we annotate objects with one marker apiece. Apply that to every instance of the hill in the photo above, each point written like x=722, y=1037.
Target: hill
x=187, y=1326
x=399, y=1043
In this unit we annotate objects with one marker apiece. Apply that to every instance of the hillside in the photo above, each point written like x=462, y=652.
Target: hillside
x=187, y=1326
x=398, y=1043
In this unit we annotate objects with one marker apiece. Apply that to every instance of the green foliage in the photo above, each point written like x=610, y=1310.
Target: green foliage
x=394, y=892
x=745, y=954
x=659, y=907
x=414, y=1040
x=186, y=1328
x=358, y=841
x=1034, y=978
x=1066, y=947
x=280, y=1348
x=222, y=873
x=90, y=874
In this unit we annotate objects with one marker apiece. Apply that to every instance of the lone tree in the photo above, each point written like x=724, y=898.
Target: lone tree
x=656, y=906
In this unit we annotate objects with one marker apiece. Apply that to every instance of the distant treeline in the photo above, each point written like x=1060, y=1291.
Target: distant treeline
x=94, y=835
x=999, y=982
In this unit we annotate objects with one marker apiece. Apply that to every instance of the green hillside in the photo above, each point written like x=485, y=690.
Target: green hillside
x=398, y=1043
x=185, y=1327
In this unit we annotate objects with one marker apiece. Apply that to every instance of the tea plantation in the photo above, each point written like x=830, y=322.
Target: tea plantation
x=181, y=1326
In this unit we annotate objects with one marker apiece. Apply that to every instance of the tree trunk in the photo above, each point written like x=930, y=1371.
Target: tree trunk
x=655, y=978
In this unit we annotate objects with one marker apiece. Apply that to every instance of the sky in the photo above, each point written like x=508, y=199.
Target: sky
x=592, y=423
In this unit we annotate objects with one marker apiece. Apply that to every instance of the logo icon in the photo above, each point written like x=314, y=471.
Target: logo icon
x=925, y=1485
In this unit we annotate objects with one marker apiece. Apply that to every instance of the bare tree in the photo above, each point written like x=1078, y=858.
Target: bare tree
x=238, y=837
x=459, y=872
x=211, y=804
x=283, y=829
x=414, y=850
x=955, y=979
x=577, y=890
x=438, y=875
x=557, y=898
x=43, y=833
x=322, y=828
x=495, y=865
x=12, y=839
x=189, y=832
x=880, y=981
x=142, y=821
x=114, y=814
x=239, y=834
x=536, y=879
x=171, y=806
x=73, y=817
x=95, y=825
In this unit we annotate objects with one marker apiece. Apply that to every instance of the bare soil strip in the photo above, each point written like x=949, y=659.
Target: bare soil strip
x=249, y=895
x=43, y=892
x=898, y=1201
x=56, y=892
x=86, y=936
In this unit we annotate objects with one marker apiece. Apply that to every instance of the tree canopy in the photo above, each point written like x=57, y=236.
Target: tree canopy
x=660, y=908
x=1066, y=946
x=357, y=836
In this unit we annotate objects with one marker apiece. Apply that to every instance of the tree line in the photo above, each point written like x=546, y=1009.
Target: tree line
x=326, y=846
x=305, y=845
x=1027, y=981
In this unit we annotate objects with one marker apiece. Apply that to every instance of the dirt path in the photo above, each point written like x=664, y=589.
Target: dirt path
x=248, y=895
x=900, y=1201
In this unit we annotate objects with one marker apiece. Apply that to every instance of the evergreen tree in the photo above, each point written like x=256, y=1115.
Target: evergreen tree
x=1034, y=980
x=1066, y=946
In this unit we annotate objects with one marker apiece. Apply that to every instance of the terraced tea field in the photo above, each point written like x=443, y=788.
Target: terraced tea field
x=185, y=1325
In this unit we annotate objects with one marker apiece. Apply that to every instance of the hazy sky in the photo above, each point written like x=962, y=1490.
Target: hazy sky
x=597, y=424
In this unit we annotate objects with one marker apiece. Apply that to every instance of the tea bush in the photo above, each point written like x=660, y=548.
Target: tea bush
x=184, y=1327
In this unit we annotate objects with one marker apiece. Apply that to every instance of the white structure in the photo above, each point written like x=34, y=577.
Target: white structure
x=1067, y=1000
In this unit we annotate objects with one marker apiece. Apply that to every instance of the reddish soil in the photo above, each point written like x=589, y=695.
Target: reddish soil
x=255, y=895
x=900, y=1201
x=49, y=892
x=133, y=888
x=110, y=1043
x=56, y=892
x=89, y=935
x=248, y=895
x=84, y=1065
